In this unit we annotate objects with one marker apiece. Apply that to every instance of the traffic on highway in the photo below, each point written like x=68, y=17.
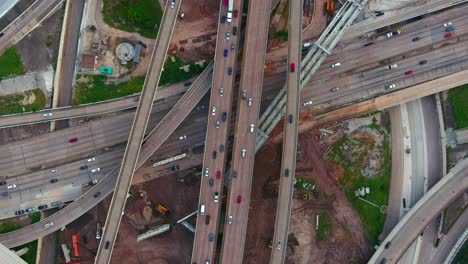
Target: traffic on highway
x=314, y=73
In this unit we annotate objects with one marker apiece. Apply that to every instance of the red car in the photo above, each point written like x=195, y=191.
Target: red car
x=218, y=175
x=239, y=199
x=293, y=67
x=409, y=72
x=225, y=2
x=236, y=13
x=448, y=35
x=73, y=140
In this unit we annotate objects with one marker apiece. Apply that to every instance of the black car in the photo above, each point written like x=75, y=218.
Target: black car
x=286, y=172
x=211, y=182
x=223, y=19
x=136, y=99
x=234, y=174
x=1, y=34
x=42, y=207
x=2, y=183
x=84, y=167
x=214, y=154
x=221, y=148
x=4, y=193
x=107, y=245
x=96, y=195
x=388, y=245
x=422, y=62
x=211, y=237
x=290, y=118
x=416, y=39
x=187, y=84
x=19, y=212
x=224, y=118
x=234, y=31
x=53, y=180
x=368, y=44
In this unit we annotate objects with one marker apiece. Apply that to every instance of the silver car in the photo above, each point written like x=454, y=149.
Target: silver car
x=334, y=89
x=336, y=65
x=308, y=103
x=213, y=110
x=228, y=35
x=243, y=153
x=47, y=115
x=229, y=220
x=207, y=170
x=221, y=91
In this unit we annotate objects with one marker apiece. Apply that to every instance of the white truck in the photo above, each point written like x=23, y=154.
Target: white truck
x=229, y=12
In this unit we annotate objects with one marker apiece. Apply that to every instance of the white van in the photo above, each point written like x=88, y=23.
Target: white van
x=48, y=225
x=202, y=209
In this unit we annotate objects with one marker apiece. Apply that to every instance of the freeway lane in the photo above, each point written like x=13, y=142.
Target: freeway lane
x=214, y=158
x=26, y=22
x=424, y=211
x=288, y=164
x=243, y=151
x=69, y=48
x=130, y=159
x=85, y=204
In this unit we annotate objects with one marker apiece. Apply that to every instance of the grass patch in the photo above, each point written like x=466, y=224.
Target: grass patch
x=96, y=89
x=324, y=227
x=172, y=73
x=282, y=35
x=93, y=88
x=49, y=40
x=142, y=16
x=35, y=217
x=8, y=226
x=371, y=217
x=30, y=256
x=300, y=183
x=13, y=103
x=462, y=256
x=459, y=99
x=10, y=63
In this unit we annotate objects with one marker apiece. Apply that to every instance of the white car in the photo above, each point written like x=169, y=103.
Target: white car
x=390, y=86
x=308, y=103
x=53, y=170
x=230, y=220
x=392, y=66
x=213, y=110
x=95, y=170
x=336, y=65
x=252, y=128
x=243, y=152
x=207, y=170
x=92, y=159
x=250, y=101
x=13, y=186
x=228, y=35
x=48, y=225
x=172, y=3
x=183, y=137
x=446, y=24
x=47, y=115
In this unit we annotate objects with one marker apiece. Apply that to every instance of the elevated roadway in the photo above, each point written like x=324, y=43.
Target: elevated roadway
x=243, y=151
x=88, y=201
x=288, y=163
x=126, y=103
x=132, y=151
x=105, y=187
x=423, y=212
x=26, y=22
x=217, y=132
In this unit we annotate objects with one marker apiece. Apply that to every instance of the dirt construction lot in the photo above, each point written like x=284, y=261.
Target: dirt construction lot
x=346, y=240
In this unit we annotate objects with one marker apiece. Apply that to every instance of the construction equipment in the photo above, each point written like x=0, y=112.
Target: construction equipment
x=162, y=209
x=303, y=196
